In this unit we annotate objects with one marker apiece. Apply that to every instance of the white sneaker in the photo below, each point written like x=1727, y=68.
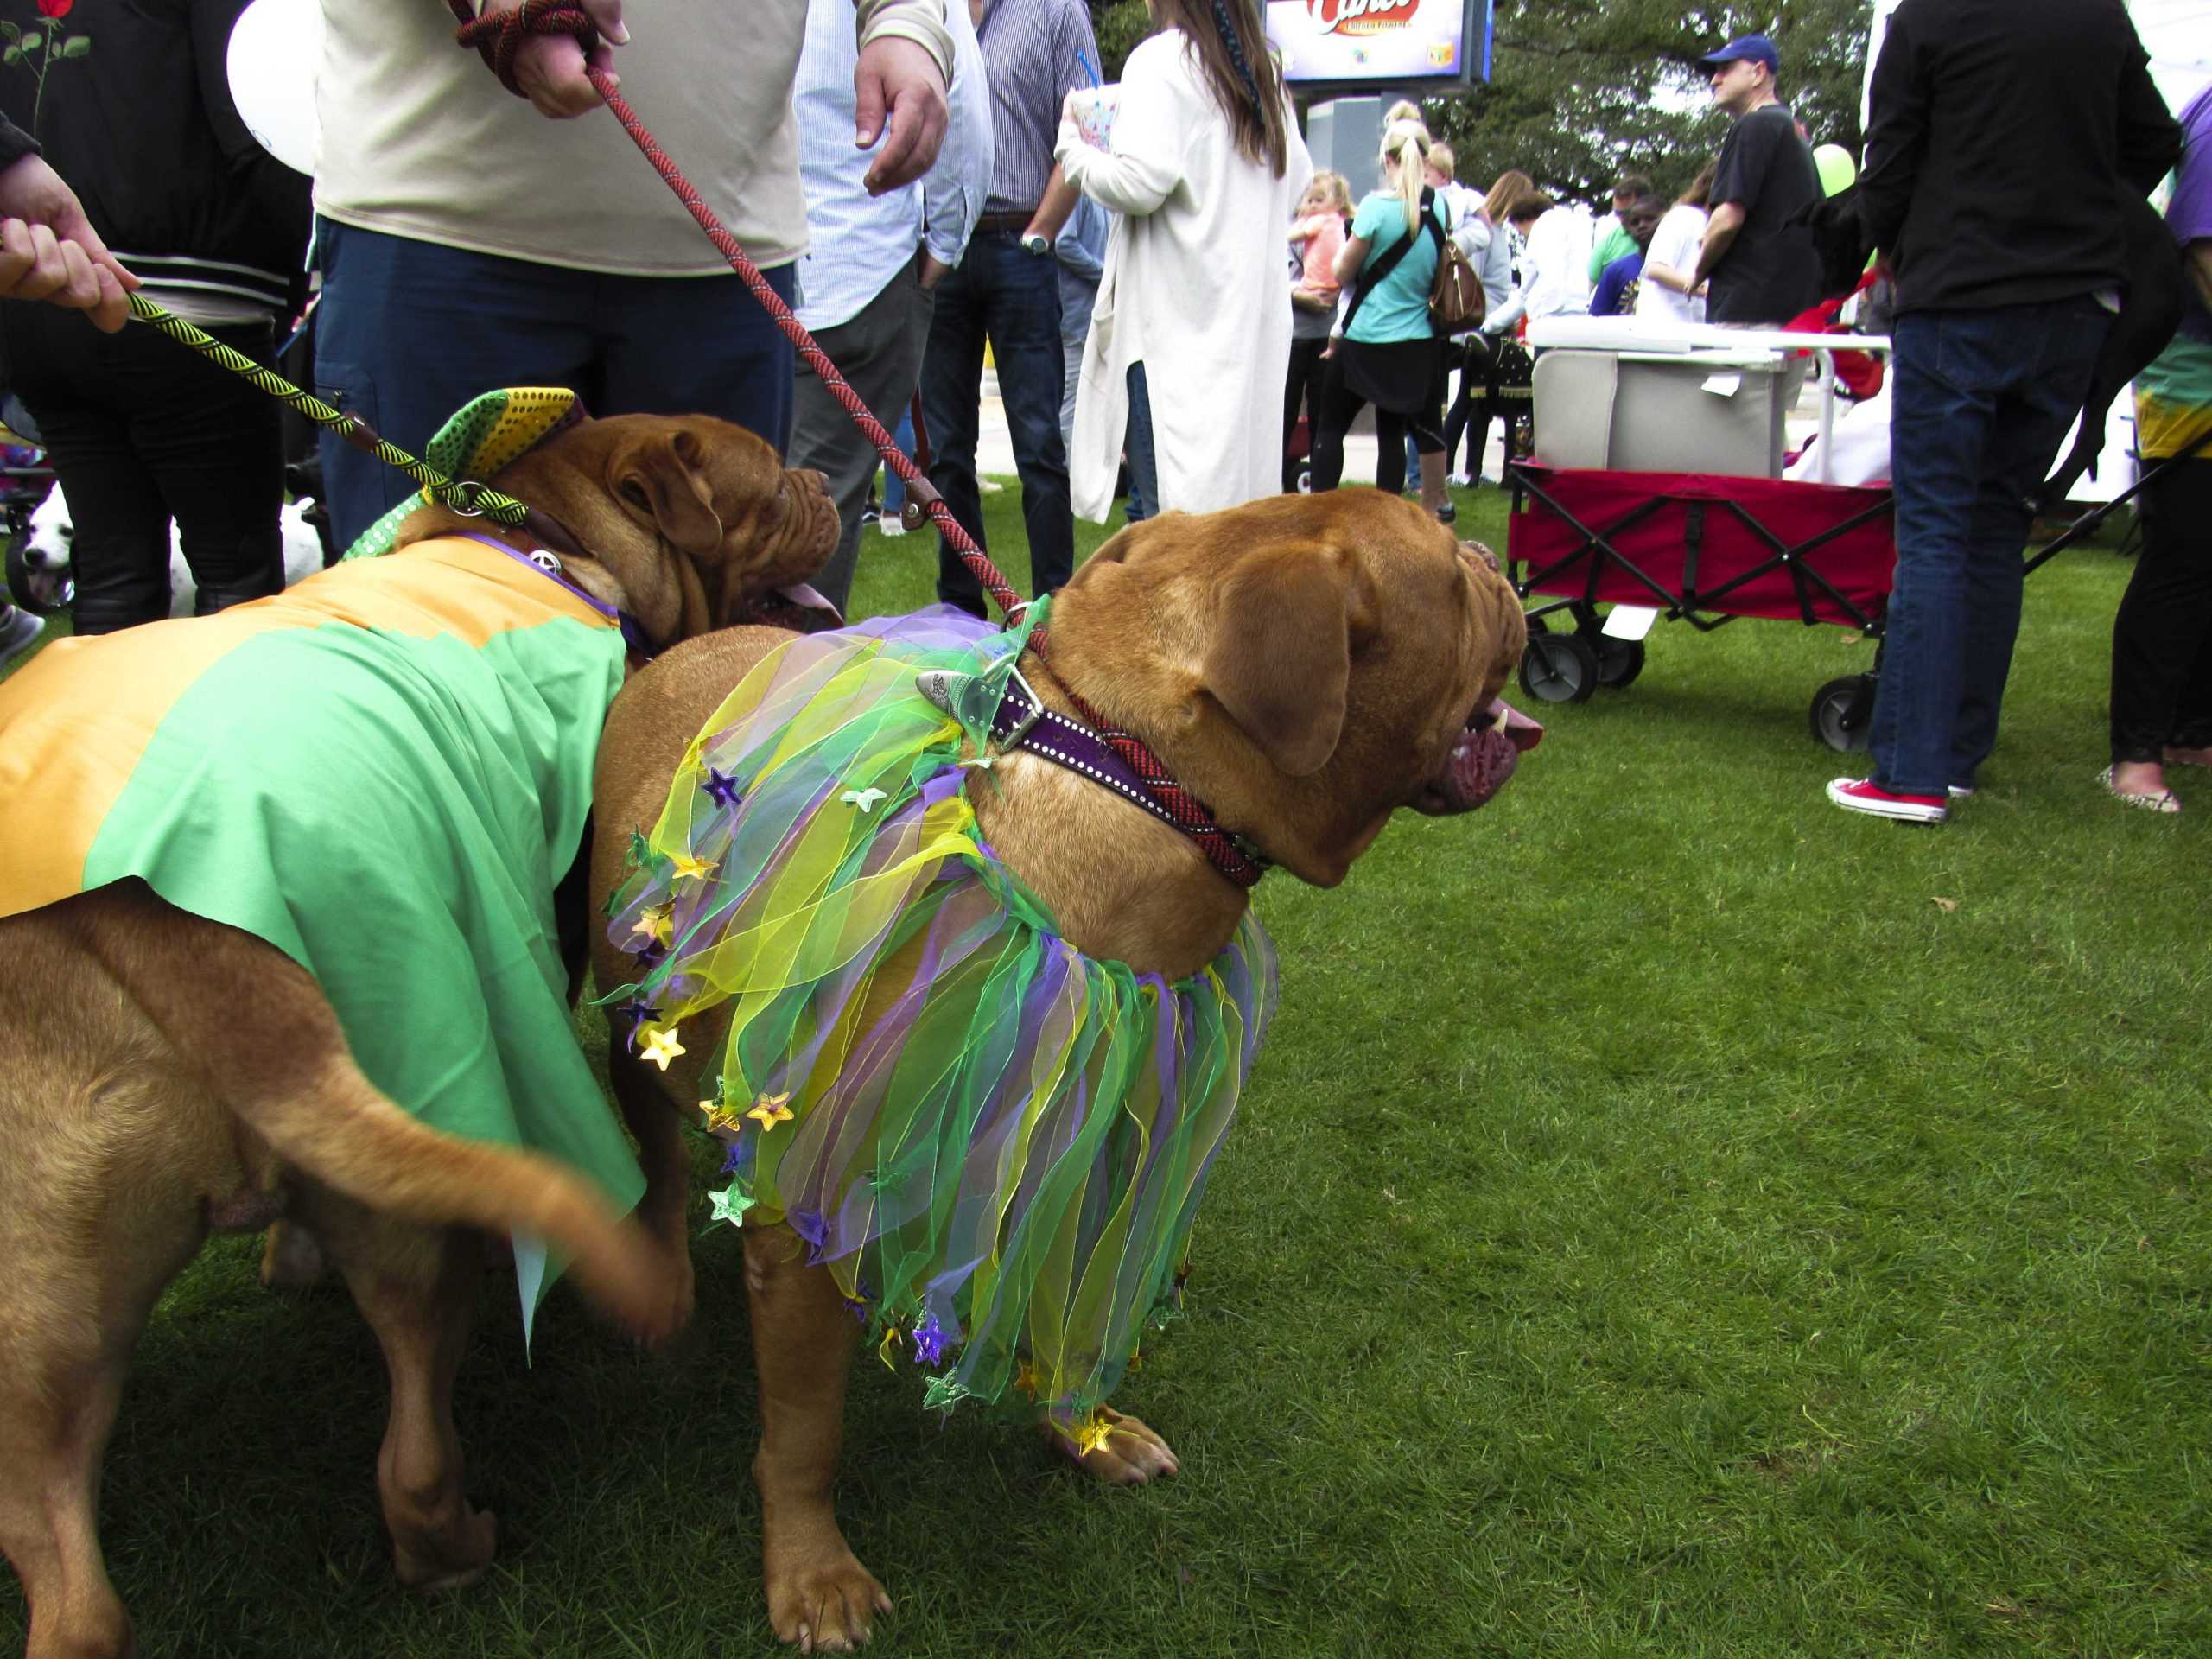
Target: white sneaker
x=1460, y=480
x=19, y=631
x=890, y=524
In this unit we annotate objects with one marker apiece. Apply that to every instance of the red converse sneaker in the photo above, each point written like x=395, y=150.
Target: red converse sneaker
x=1864, y=795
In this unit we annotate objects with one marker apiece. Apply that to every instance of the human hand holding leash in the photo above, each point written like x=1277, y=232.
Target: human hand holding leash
x=551, y=70
x=49, y=251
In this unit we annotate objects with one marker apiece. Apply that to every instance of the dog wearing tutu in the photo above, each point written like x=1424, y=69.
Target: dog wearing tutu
x=971, y=1022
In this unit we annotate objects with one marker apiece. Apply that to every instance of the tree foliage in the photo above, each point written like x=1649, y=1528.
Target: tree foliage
x=1582, y=90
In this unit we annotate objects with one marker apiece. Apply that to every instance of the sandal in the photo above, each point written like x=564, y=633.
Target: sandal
x=2163, y=801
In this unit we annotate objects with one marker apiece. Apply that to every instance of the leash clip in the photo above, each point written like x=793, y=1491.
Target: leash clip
x=946, y=688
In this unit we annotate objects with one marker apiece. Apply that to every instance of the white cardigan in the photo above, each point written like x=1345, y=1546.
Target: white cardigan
x=1194, y=288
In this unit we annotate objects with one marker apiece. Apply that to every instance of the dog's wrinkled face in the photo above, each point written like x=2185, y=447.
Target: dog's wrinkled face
x=1344, y=655
x=688, y=518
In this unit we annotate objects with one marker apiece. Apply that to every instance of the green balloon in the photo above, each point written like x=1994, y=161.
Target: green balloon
x=1836, y=167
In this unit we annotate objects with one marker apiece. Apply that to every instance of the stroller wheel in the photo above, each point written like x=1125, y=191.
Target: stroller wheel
x=1842, y=715
x=1619, y=661
x=42, y=593
x=1304, y=478
x=1559, y=667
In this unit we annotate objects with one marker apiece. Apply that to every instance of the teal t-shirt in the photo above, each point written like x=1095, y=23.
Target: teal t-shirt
x=1398, y=307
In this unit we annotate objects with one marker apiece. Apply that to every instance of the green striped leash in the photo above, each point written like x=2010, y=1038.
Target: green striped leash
x=465, y=496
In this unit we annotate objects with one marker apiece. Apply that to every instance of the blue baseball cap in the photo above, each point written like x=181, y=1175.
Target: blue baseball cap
x=1752, y=48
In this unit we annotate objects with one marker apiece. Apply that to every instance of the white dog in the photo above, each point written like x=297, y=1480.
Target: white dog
x=47, y=551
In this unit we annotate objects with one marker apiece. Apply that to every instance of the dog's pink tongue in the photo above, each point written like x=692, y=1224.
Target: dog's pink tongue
x=1486, y=754
x=811, y=599
x=1524, y=733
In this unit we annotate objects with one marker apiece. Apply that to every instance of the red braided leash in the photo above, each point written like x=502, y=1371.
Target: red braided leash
x=498, y=36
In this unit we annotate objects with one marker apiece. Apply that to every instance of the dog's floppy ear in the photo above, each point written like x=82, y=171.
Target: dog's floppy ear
x=1279, y=662
x=665, y=473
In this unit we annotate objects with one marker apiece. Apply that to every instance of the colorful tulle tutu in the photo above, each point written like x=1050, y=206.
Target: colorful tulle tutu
x=996, y=1143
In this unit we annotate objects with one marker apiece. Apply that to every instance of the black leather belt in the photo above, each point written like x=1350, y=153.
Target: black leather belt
x=1012, y=223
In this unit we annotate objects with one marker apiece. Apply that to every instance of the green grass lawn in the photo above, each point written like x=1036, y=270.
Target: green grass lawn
x=1673, y=1217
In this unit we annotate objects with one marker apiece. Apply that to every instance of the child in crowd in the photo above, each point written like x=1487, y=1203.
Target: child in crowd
x=1618, y=283
x=1317, y=236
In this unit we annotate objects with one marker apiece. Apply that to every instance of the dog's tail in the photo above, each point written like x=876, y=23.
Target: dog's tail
x=256, y=1026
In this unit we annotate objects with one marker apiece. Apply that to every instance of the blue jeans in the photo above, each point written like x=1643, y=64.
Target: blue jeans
x=1143, y=501
x=894, y=493
x=1981, y=402
x=998, y=291
x=406, y=332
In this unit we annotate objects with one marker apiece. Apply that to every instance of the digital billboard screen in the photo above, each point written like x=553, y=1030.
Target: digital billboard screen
x=1353, y=46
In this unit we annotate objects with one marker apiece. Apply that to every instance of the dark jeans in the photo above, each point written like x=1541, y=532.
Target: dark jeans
x=408, y=331
x=2162, y=639
x=998, y=292
x=142, y=431
x=1302, y=391
x=1143, y=500
x=1981, y=401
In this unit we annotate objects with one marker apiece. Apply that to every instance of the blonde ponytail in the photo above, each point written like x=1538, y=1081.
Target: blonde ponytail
x=1405, y=152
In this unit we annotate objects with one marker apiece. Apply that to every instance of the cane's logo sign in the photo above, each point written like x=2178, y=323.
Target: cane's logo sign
x=1362, y=16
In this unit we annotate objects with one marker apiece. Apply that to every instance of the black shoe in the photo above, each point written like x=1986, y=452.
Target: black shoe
x=1446, y=513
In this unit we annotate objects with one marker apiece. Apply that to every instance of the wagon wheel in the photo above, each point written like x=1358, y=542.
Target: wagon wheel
x=1842, y=714
x=1619, y=661
x=1559, y=667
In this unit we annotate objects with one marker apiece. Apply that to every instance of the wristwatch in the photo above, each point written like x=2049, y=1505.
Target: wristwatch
x=1033, y=243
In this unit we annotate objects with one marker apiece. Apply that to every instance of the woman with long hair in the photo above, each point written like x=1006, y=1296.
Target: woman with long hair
x=1671, y=260
x=1487, y=240
x=1389, y=355
x=1192, y=318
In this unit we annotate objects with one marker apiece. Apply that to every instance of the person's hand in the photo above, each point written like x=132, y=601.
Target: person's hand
x=933, y=269
x=900, y=79
x=49, y=251
x=549, y=68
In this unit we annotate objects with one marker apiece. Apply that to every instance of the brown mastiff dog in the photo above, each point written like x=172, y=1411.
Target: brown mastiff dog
x=1306, y=666
x=163, y=1076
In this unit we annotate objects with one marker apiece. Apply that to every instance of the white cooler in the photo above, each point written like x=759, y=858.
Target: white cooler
x=1619, y=396
x=1643, y=412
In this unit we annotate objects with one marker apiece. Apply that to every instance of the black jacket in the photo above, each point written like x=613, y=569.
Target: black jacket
x=2001, y=137
x=140, y=123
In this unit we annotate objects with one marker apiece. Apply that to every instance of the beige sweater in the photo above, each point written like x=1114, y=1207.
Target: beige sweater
x=419, y=140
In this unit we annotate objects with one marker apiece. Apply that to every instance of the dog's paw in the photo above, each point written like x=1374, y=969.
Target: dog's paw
x=1127, y=1453
x=673, y=1318
x=826, y=1603
x=452, y=1559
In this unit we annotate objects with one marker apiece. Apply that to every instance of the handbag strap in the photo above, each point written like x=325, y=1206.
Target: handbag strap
x=1371, y=278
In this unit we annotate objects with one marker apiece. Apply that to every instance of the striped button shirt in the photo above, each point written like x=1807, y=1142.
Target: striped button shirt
x=1036, y=52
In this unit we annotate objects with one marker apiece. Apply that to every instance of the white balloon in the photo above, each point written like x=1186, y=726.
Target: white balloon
x=275, y=48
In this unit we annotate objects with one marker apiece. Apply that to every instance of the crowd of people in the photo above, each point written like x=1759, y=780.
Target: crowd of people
x=1150, y=266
